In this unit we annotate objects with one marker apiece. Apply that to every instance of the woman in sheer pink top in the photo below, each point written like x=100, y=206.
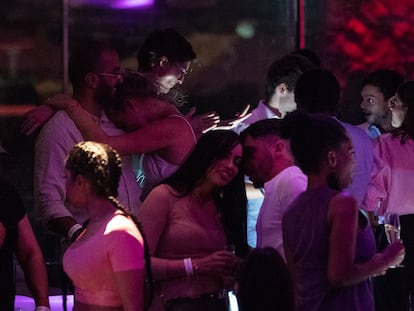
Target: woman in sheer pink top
x=391, y=191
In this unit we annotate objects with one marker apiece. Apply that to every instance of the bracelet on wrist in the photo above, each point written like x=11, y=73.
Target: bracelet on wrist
x=71, y=233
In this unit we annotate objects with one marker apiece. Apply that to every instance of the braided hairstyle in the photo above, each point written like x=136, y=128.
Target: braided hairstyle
x=101, y=166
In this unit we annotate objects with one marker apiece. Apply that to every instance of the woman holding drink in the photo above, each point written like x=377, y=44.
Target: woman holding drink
x=390, y=192
x=329, y=245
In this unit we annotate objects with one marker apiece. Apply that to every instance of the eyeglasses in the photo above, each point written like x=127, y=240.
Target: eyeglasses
x=184, y=72
x=118, y=76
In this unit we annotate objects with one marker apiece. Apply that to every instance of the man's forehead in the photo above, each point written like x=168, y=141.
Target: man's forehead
x=108, y=58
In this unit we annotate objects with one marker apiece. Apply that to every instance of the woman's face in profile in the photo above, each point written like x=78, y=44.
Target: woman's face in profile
x=225, y=169
x=345, y=164
x=171, y=74
x=398, y=111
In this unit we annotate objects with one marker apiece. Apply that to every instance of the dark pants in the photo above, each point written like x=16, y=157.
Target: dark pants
x=395, y=289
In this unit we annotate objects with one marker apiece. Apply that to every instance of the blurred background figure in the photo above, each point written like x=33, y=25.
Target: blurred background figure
x=17, y=238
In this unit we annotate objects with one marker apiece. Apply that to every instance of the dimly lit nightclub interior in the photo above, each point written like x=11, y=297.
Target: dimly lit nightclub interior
x=185, y=118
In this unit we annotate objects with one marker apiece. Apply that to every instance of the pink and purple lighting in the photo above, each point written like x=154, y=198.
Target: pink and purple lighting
x=115, y=4
x=126, y=4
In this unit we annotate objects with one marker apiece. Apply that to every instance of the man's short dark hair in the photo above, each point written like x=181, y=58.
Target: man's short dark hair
x=318, y=91
x=386, y=80
x=84, y=58
x=286, y=70
x=262, y=128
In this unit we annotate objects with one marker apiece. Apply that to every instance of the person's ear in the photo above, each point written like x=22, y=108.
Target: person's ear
x=282, y=88
x=279, y=146
x=91, y=79
x=163, y=61
x=391, y=103
x=331, y=158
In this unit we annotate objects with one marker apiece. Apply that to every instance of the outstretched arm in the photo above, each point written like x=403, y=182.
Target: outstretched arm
x=155, y=136
x=31, y=259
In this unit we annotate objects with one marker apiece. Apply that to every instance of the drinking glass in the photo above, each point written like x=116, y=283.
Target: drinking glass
x=392, y=229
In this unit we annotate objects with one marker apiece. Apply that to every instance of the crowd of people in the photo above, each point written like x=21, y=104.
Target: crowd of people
x=155, y=207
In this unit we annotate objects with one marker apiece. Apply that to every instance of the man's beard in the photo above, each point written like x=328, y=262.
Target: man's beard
x=104, y=96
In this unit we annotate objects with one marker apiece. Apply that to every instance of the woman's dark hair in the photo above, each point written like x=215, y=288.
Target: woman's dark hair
x=311, y=137
x=166, y=42
x=135, y=85
x=264, y=282
x=231, y=199
x=101, y=166
x=405, y=93
x=212, y=146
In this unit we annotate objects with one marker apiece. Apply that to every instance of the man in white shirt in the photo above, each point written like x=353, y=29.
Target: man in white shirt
x=270, y=164
x=94, y=70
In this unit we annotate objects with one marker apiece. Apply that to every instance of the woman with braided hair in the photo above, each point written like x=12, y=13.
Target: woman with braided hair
x=108, y=261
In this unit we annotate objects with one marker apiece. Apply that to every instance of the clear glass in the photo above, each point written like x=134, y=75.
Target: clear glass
x=392, y=229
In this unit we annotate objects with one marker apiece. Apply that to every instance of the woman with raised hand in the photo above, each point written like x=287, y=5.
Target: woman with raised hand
x=193, y=220
x=329, y=244
x=108, y=261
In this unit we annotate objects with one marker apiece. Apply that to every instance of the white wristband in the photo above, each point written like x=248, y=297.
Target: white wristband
x=72, y=231
x=42, y=308
x=188, y=266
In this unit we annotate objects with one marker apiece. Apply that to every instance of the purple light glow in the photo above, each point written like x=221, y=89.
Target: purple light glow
x=115, y=4
x=126, y=4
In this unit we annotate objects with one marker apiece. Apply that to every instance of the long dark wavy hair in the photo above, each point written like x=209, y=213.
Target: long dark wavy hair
x=231, y=199
x=101, y=166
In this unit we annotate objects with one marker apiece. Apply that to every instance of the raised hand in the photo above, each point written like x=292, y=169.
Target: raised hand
x=232, y=123
x=394, y=254
x=202, y=123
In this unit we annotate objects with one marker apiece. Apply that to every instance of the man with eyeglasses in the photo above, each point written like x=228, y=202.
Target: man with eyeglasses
x=94, y=70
